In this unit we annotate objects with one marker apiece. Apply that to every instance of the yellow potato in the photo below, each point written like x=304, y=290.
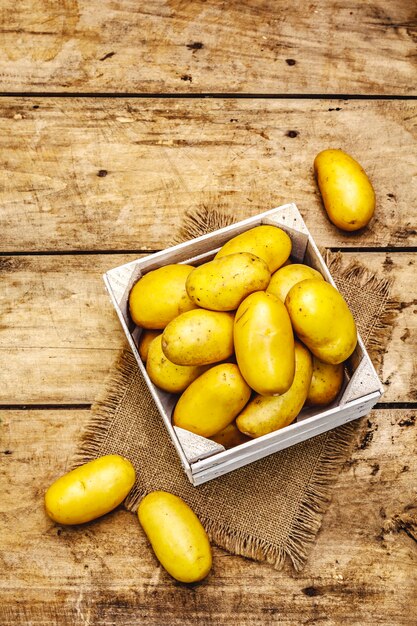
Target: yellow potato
x=326, y=383
x=212, y=401
x=286, y=277
x=159, y=296
x=199, y=337
x=264, y=344
x=230, y=437
x=264, y=414
x=269, y=243
x=223, y=283
x=167, y=375
x=347, y=193
x=322, y=320
x=90, y=490
x=145, y=341
x=177, y=537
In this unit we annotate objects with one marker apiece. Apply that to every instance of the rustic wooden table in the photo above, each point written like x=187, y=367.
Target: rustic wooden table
x=115, y=119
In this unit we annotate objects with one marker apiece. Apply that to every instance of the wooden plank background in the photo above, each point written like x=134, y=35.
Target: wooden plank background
x=93, y=173
x=104, y=573
x=56, y=313
x=106, y=172
x=176, y=46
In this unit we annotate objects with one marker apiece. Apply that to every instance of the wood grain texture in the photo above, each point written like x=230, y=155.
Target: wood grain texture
x=333, y=46
x=102, y=174
x=399, y=362
x=60, y=335
x=104, y=572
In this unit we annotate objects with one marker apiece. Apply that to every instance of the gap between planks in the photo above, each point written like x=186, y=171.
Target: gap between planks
x=364, y=249
x=213, y=96
x=384, y=406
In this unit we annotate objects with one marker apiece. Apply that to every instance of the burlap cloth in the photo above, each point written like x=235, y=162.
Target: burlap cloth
x=272, y=508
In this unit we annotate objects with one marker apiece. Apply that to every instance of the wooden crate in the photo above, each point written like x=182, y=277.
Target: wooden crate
x=201, y=458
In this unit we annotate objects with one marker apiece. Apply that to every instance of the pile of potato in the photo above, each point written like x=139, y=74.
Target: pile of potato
x=247, y=339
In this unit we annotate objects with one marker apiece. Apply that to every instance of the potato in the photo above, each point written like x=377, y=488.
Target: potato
x=347, y=193
x=269, y=243
x=326, y=383
x=322, y=320
x=264, y=344
x=91, y=490
x=264, y=414
x=167, y=375
x=177, y=537
x=286, y=277
x=199, y=337
x=230, y=437
x=145, y=341
x=212, y=401
x=159, y=296
x=223, y=283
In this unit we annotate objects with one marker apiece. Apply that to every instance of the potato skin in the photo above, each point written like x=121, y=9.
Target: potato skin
x=160, y=295
x=90, y=491
x=326, y=383
x=348, y=195
x=145, y=341
x=322, y=320
x=199, y=337
x=230, y=437
x=167, y=375
x=177, y=537
x=286, y=277
x=265, y=414
x=212, y=401
x=264, y=344
x=222, y=284
x=269, y=243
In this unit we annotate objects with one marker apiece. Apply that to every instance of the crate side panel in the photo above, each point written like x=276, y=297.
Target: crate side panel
x=214, y=471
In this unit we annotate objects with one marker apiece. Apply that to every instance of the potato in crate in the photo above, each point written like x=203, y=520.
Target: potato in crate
x=247, y=352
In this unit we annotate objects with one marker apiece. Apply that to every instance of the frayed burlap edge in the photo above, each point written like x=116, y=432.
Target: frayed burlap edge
x=104, y=409
x=337, y=444
x=202, y=221
x=315, y=500
x=405, y=522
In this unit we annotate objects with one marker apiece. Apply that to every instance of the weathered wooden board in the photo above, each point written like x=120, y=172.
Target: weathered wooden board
x=104, y=573
x=59, y=333
x=328, y=47
x=399, y=362
x=103, y=174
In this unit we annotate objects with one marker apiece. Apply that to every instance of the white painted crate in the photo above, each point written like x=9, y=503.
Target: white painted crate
x=201, y=458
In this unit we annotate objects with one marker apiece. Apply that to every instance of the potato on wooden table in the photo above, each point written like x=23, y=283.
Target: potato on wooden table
x=348, y=195
x=90, y=491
